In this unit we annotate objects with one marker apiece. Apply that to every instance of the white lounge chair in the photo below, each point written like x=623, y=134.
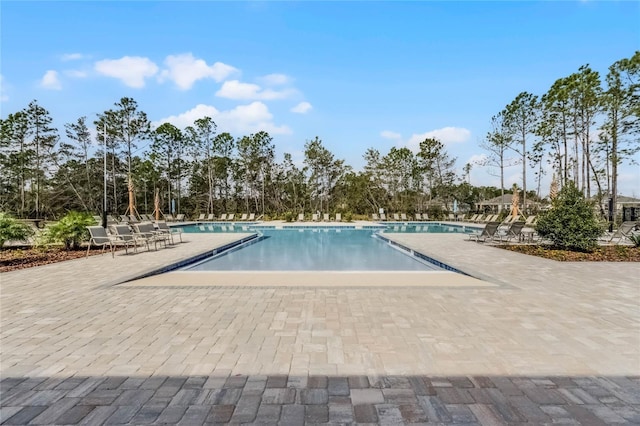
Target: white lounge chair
x=325, y=217
x=252, y=217
x=211, y=217
x=201, y=217
x=314, y=217
x=244, y=217
x=338, y=217
x=231, y=216
x=300, y=217
x=223, y=216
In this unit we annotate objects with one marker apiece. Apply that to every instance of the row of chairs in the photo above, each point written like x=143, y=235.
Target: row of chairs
x=134, y=235
x=315, y=217
x=501, y=232
x=399, y=217
x=230, y=217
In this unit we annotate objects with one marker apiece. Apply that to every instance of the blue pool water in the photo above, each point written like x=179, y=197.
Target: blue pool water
x=315, y=250
x=389, y=227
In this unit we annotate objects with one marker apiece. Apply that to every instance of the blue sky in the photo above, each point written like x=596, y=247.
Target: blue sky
x=355, y=74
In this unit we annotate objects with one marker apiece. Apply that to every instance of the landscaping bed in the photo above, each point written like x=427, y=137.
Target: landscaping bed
x=19, y=258
x=601, y=254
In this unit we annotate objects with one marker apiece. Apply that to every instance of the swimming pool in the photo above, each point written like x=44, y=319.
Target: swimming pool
x=314, y=249
x=388, y=227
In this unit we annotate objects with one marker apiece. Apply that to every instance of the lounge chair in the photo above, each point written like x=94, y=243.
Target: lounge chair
x=531, y=220
x=489, y=232
x=396, y=217
x=325, y=217
x=338, y=217
x=201, y=217
x=244, y=217
x=403, y=216
x=383, y=217
x=300, y=217
x=164, y=228
x=180, y=218
x=169, y=217
x=252, y=217
x=314, y=217
x=98, y=219
x=623, y=232
x=148, y=231
x=472, y=218
x=223, y=216
x=123, y=232
x=418, y=216
x=374, y=217
x=99, y=237
x=211, y=217
x=514, y=231
x=231, y=216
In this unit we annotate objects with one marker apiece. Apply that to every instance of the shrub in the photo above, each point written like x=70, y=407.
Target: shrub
x=348, y=217
x=71, y=230
x=12, y=229
x=635, y=239
x=570, y=223
x=288, y=217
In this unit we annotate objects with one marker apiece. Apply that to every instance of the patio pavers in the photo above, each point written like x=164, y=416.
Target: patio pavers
x=545, y=342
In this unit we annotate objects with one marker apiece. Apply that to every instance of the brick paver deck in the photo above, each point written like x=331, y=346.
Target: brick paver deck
x=547, y=343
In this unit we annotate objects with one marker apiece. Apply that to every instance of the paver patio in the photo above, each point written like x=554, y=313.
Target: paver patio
x=545, y=342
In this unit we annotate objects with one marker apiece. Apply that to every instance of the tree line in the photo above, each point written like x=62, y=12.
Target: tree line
x=45, y=172
x=581, y=128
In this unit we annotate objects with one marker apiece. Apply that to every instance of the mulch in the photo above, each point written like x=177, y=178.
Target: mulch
x=601, y=254
x=12, y=259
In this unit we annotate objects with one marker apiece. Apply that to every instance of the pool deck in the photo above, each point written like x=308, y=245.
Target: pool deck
x=539, y=342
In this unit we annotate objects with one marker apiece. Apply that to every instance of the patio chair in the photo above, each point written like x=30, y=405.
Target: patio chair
x=531, y=220
x=374, y=217
x=132, y=218
x=231, y=216
x=252, y=217
x=325, y=217
x=403, y=216
x=211, y=217
x=338, y=217
x=223, y=216
x=244, y=216
x=300, y=217
x=147, y=230
x=201, y=217
x=314, y=217
x=180, y=218
x=169, y=217
x=489, y=231
x=123, y=232
x=514, y=231
x=452, y=217
x=623, y=232
x=99, y=237
x=396, y=217
x=418, y=216
x=170, y=232
x=383, y=217
x=472, y=218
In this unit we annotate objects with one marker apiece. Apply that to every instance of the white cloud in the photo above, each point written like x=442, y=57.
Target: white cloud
x=233, y=89
x=76, y=73
x=3, y=89
x=302, y=108
x=241, y=120
x=275, y=79
x=51, y=81
x=446, y=135
x=388, y=134
x=132, y=70
x=184, y=70
x=71, y=56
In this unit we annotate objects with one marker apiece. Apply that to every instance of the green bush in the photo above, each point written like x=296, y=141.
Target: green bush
x=570, y=223
x=288, y=217
x=12, y=229
x=348, y=217
x=71, y=230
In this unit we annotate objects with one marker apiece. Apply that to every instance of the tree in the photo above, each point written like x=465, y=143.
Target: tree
x=164, y=148
x=126, y=126
x=621, y=103
x=497, y=142
x=15, y=160
x=44, y=138
x=437, y=167
x=201, y=138
x=256, y=154
x=521, y=117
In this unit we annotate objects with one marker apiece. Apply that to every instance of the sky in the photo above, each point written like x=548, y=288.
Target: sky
x=356, y=74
